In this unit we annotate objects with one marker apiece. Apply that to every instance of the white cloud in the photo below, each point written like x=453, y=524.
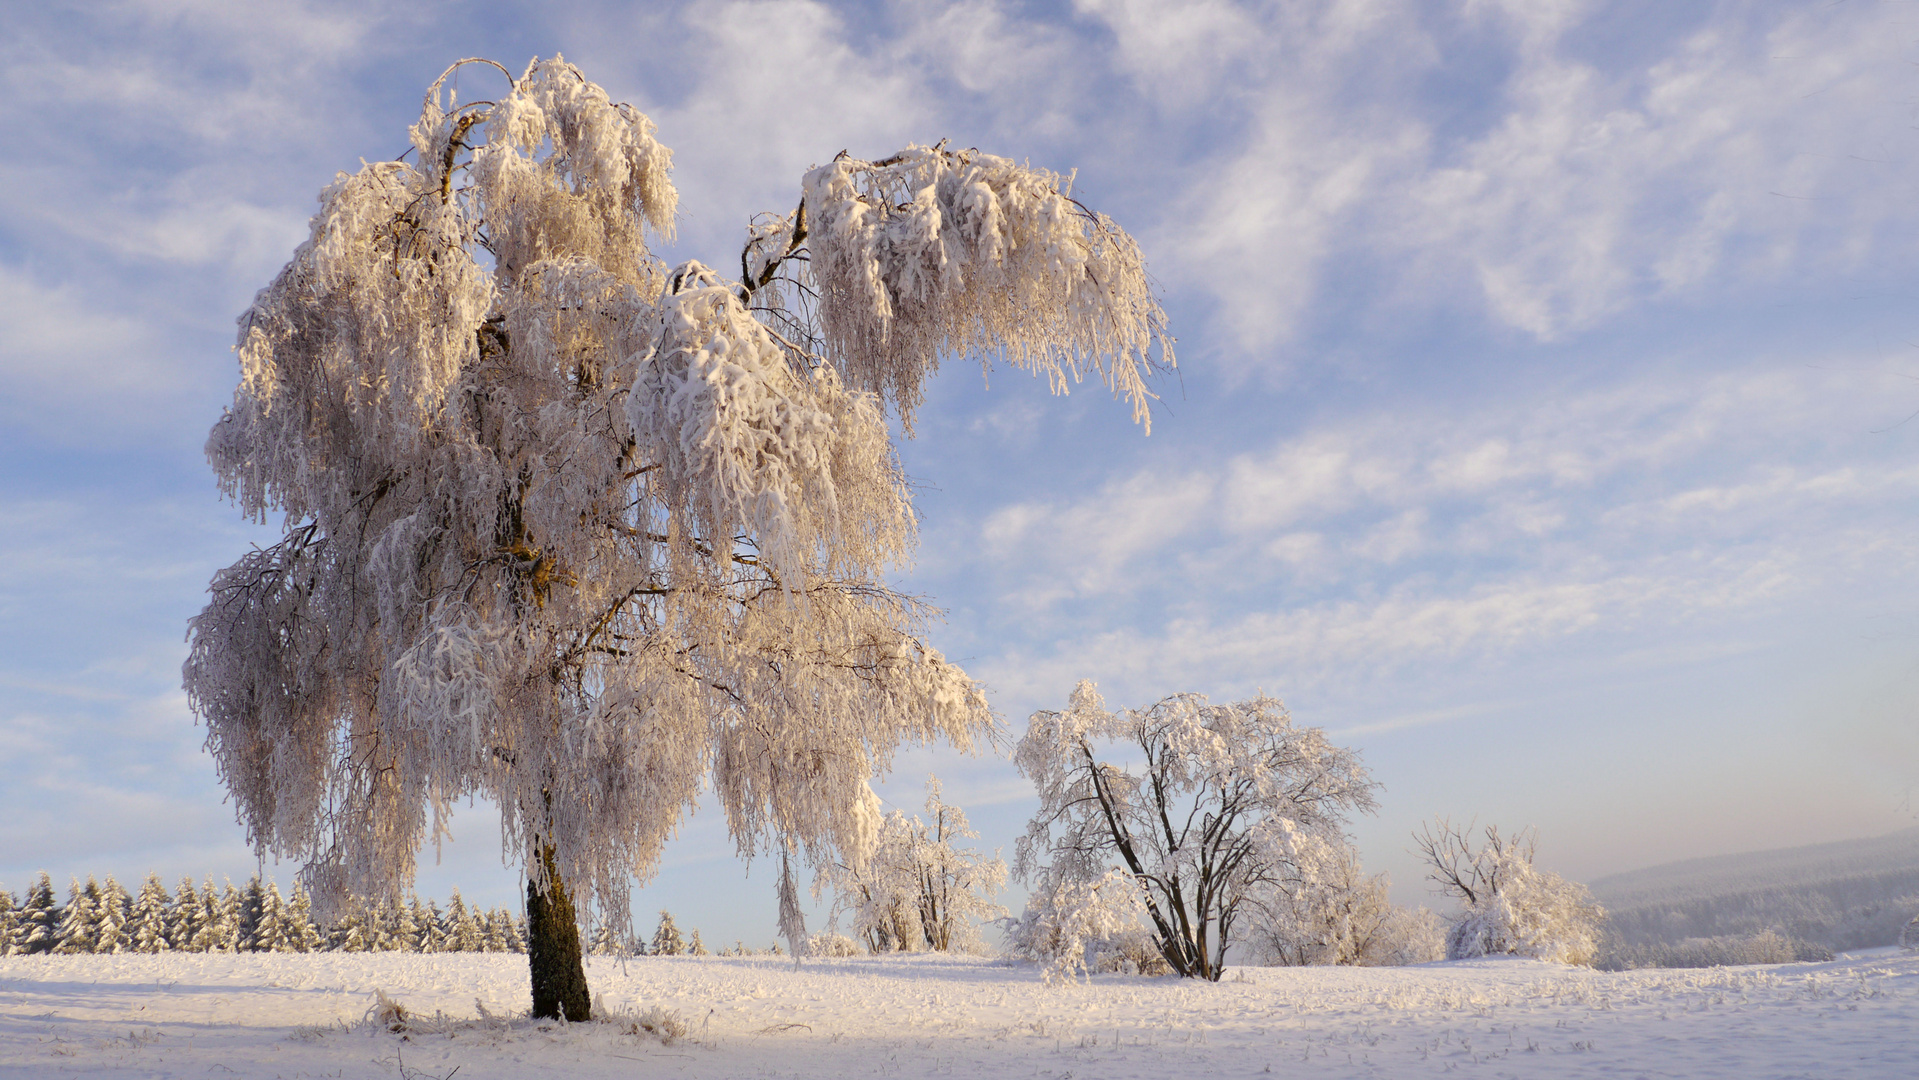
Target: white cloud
x=1363, y=546
x=1574, y=189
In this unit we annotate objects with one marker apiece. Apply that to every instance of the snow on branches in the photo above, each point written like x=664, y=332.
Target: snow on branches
x=918, y=889
x=935, y=252
x=581, y=534
x=1508, y=905
x=1229, y=804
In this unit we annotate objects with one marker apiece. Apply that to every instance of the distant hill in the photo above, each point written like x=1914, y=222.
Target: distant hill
x=1852, y=894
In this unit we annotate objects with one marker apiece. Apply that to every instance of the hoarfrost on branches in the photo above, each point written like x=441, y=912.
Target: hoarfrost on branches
x=1345, y=917
x=1229, y=804
x=1508, y=905
x=918, y=889
x=582, y=534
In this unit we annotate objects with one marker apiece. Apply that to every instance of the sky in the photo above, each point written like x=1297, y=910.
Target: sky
x=1546, y=423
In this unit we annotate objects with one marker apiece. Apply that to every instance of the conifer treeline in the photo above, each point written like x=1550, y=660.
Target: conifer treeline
x=105, y=918
x=255, y=918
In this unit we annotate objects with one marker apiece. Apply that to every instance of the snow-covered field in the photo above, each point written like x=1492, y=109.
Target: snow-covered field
x=263, y=1015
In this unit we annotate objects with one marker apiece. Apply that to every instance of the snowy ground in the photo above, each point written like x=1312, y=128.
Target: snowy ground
x=302, y=1016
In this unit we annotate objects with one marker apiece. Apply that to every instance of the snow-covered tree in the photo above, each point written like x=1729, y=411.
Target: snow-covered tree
x=918, y=890
x=208, y=932
x=252, y=908
x=666, y=937
x=147, y=925
x=694, y=946
x=583, y=534
x=40, y=919
x=606, y=941
x=463, y=931
x=1228, y=802
x=270, y=931
x=80, y=921
x=9, y=921
x=1508, y=905
x=1077, y=925
x=1342, y=917
x=409, y=926
x=227, y=915
x=112, y=919
x=302, y=934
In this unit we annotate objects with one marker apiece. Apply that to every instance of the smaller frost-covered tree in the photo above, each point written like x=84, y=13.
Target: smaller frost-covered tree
x=207, y=929
x=302, y=934
x=231, y=916
x=463, y=932
x=253, y=902
x=1215, y=805
x=1077, y=926
x=9, y=922
x=148, y=925
x=1345, y=917
x=113, y=915
x=1508, y=905
x=271, y=933
x=39, y=929
x=919, y=889
x=80, y=923
x=666, y=938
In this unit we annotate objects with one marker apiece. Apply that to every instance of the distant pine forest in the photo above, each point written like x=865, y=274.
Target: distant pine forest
x=256, y=917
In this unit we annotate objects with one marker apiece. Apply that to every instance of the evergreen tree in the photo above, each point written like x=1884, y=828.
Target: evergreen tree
x=406, y=925
x=509, y=931
x=147, y=926
x=694, y=947
x=432, y=928
x=666, y=939
x=495, y=940
x=270, y=932
x=604, y=942
x=382, y=917
x=111, y=919
x=207, y=931
x=80, y=924
x=352, y=934
x=183, y=917
x=9, y=922
x=464, y=928
x=302, y=935
x=229, y=919
x=40, y=918
x=251, y=908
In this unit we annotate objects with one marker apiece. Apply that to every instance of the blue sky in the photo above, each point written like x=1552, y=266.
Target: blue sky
x=1544, y=425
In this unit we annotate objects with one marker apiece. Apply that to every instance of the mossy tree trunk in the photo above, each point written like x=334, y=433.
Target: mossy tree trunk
x=553, y=948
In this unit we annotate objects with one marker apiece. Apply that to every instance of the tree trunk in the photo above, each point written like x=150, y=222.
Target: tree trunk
x=553, y=948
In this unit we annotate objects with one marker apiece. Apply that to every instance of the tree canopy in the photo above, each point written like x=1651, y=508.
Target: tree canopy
x=580, y=533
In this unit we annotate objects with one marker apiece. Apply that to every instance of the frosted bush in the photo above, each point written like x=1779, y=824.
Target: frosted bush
x=833, y=944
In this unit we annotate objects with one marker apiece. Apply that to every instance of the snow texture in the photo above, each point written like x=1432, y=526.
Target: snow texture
x=931, y=1014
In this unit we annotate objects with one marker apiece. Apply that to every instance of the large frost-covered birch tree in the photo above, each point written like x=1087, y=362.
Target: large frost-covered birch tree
x=582, y=534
